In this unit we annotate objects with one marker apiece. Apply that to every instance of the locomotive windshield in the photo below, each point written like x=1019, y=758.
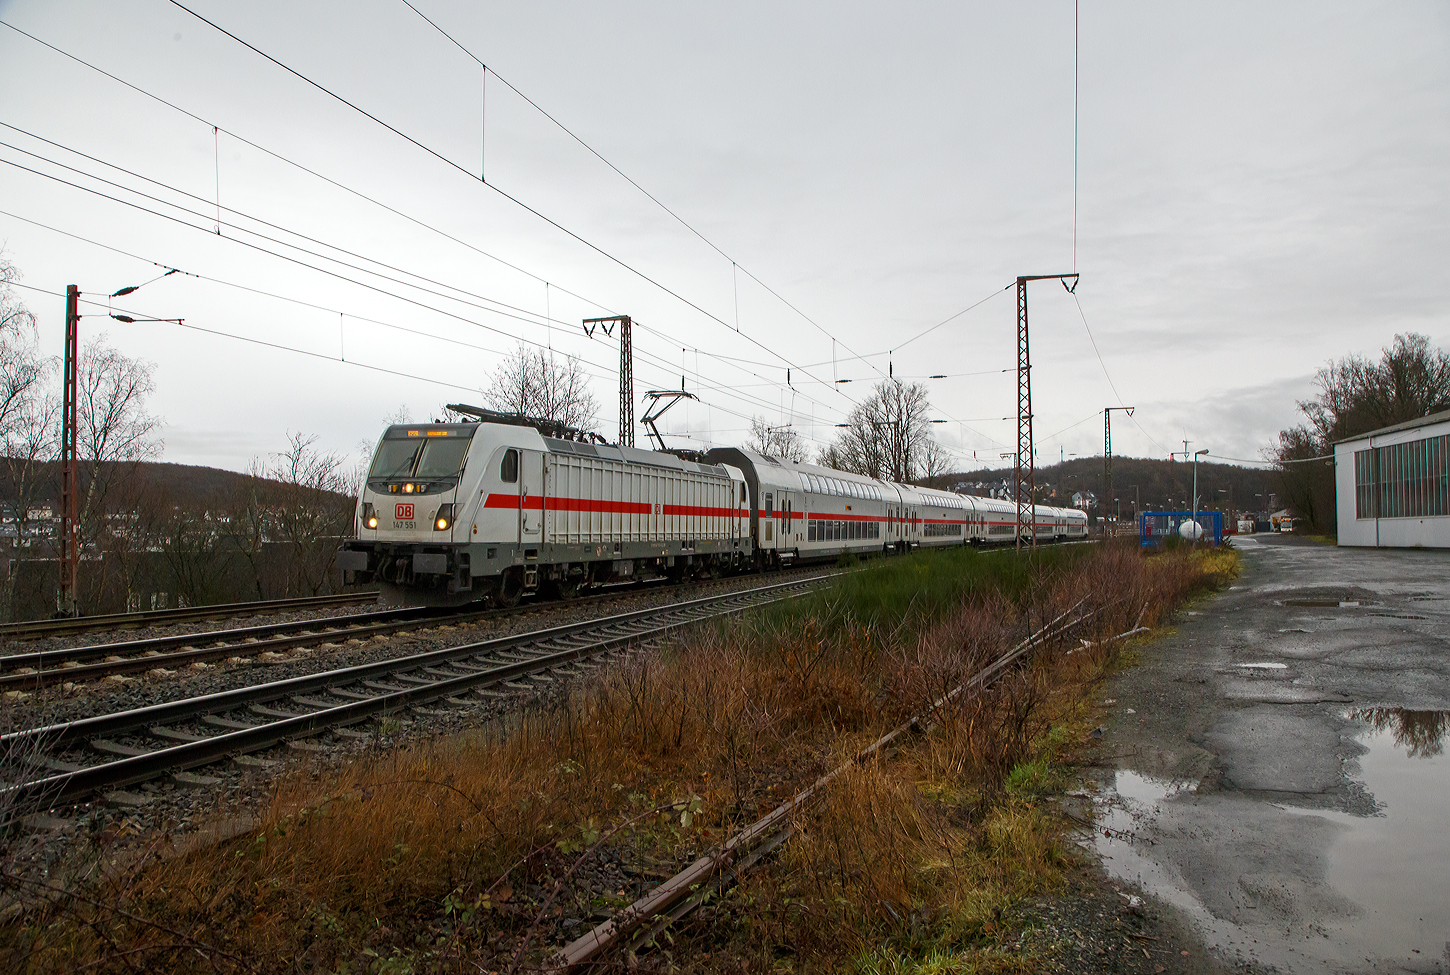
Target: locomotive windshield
x=422, y=453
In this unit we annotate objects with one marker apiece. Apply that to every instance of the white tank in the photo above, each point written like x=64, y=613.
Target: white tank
x=1191, y=530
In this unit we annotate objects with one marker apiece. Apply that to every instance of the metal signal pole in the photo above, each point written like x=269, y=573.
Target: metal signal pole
x=68, y=604
x=68, y=598
x=1026, y=468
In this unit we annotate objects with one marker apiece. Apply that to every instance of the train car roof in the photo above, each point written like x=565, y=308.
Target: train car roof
x=633, y=455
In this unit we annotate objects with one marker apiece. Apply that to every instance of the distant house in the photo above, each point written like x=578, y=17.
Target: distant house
x=1084, y=500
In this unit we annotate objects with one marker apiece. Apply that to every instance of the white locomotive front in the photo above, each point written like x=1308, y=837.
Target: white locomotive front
x=454, y=512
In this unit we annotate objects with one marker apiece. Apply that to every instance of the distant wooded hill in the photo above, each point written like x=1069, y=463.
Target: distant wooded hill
x=1162, y=484
x=159, y=534
x=188, y=483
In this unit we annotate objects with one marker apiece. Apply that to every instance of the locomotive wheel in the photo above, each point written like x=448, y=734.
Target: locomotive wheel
x=566, y=588
x=510, y=588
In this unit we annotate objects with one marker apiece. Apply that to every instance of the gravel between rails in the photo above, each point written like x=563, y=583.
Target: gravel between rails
x=227, y=797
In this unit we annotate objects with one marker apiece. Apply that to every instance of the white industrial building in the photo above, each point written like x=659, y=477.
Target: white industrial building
x=1392, y=486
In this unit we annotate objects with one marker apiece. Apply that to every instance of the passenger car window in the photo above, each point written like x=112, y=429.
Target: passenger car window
x=508, y=471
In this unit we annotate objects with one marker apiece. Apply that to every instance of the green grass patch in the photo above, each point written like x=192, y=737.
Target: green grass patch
x=909, y=593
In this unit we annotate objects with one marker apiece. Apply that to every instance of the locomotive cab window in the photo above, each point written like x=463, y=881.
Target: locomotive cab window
x=431, y=452
x=508, y=470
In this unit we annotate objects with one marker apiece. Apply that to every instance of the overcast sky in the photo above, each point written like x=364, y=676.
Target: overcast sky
x=1261, y=188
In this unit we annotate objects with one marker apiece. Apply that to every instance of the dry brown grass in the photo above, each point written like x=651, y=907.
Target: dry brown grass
x=439, y=856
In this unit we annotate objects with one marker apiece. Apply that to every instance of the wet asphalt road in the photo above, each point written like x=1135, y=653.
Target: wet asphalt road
x=1280, y=769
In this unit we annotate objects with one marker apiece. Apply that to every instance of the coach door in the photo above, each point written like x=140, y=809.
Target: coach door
x=546, y=514
x=531, y=496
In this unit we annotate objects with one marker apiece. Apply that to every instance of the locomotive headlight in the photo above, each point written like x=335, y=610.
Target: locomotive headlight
x=370, y=517
x=408, y=488
x=443, y=518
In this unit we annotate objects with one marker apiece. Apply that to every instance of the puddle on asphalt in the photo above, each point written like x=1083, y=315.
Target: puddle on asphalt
x=1391, y=865
x=1264, y=666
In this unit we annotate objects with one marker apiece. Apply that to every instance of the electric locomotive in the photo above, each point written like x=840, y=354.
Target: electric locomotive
x=455, y=512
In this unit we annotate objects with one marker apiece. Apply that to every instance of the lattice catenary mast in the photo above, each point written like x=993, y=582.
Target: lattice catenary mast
x=626, y=371
x=1026, y=486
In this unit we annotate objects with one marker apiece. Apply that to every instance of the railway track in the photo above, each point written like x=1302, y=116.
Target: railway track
x=44, y=668
x=40, y=629
x=638, y=924
x=150, y=742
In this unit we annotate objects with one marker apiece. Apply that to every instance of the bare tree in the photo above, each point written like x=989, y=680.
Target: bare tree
x=31, y=441
x=113, y=430
x=534, y=382
x=936, y=463
x=887, y=434
x=782, y=442
x=308, y=511
x=28, y=417
x=1357, y=395
x=22, y=368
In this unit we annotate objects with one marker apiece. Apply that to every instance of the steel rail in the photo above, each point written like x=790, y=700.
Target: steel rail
x=252, y=639
x=37, y=629
x=675, y=897
x=28, y=671
x=556, y=647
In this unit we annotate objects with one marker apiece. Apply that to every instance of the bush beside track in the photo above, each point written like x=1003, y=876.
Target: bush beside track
x=494, y=847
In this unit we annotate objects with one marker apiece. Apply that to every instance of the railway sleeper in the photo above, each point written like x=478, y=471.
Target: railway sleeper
x=416, y=681
x=107, y=747
x=521, y=657
x=252, y=761
x=459, y=670
x=173, y=735
x=350, y=695
x=231, y=724
x=267, y=712
x=389, y=686
x=190, y=780
x=316, y=703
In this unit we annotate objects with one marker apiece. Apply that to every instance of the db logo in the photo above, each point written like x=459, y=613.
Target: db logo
x=404, y=512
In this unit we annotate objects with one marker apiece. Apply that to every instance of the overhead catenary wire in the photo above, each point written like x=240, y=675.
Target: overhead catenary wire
x=300, y=166
x=508, y=196
x=341, y=186
x=604, y=370
x=519, y=314
x=400, y=213
x=949, y=318
x=1106, y=375
x=252, y=340
x=735, y=265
